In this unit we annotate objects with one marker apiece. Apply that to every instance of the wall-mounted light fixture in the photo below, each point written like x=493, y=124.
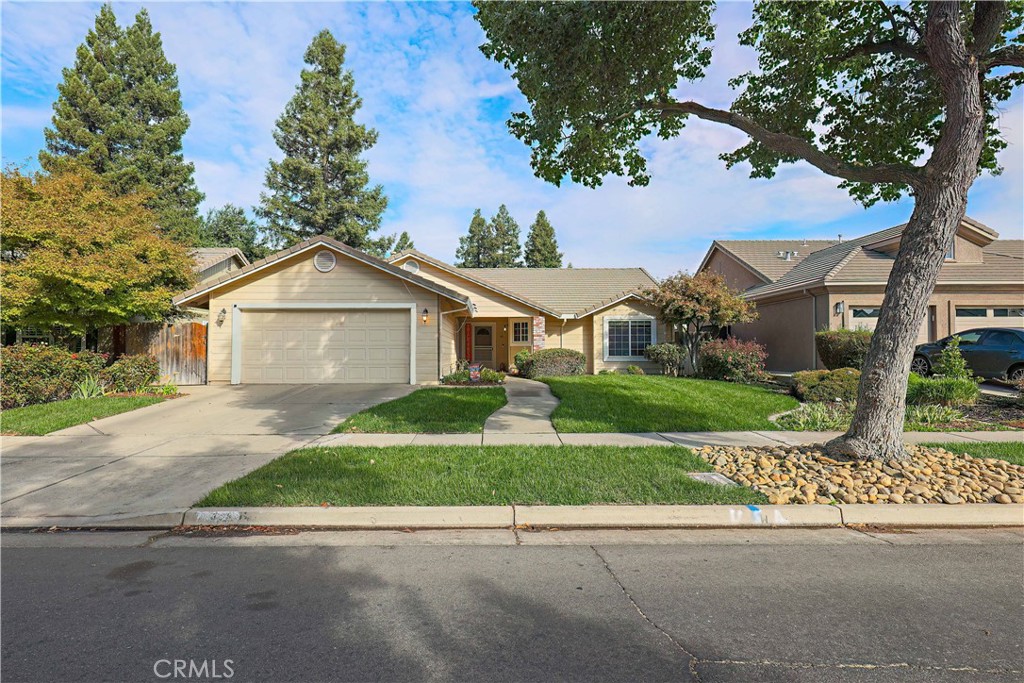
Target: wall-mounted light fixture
x=425, y=314
x=222, y=316
x=840, y=308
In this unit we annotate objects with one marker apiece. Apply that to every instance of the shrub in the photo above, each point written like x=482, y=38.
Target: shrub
x=951, y=361
x=733, y=360
x=932, y=415
x=520, y=359
x=817, y=417
x=33, y=374
x=554, y=363
x=826, y=385
x=461, y=377
x=842, y=348
x=942, y=391
x=89, y=387
x=671, y=357
x=635, y=370
x=608, y=371
x=131, y=374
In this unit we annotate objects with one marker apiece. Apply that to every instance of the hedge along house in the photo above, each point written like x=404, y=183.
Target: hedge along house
x=323, y=312
x=802, y=286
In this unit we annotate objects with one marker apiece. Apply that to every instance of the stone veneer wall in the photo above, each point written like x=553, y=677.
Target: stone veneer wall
x=538, y=332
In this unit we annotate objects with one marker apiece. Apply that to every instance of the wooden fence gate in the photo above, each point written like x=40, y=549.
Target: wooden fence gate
x=180, y=348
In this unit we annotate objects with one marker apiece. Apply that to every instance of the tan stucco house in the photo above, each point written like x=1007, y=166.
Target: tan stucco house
x=801, y=286
x=323, y=312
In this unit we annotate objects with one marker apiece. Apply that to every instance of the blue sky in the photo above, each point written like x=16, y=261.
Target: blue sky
x=443, y=150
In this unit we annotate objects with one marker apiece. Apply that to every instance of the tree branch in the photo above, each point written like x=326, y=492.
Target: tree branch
x=988, y=25
x=895, y=46
x=1011, y=55
x=791, y=145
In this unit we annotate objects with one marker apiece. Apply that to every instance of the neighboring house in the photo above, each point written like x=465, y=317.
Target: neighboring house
x=213, y=262
x=801, y=286
x=323, y=312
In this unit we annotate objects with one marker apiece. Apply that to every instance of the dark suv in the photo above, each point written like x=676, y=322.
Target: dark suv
x=992, y=353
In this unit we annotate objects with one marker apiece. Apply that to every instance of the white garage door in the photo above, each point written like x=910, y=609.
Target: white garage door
x=971, y=317
x=866, y=317
x=325, y=347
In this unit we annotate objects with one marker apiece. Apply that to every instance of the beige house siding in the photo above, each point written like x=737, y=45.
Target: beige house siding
x=626, y=309
x=786, y=328
x=295, y=280
x=488, y=304
x=216, y=270
x=571, y=334
x=736, y=275
x=449, y=332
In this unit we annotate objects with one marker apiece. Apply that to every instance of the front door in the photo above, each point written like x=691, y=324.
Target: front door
x=483, y=344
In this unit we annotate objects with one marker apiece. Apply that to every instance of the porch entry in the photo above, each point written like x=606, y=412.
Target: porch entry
x=481, y=347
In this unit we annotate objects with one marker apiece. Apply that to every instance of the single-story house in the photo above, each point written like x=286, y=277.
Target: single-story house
x=801, y=286
x=323, y=312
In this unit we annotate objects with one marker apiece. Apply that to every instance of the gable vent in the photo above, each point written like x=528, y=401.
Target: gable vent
x=411, y=266
x=324, y=261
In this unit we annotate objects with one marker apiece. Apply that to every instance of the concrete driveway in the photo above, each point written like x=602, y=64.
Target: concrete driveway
x=163, y=458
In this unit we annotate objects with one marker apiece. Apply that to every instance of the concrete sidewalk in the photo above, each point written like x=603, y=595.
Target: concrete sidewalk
x=689, y=439
x=528, y=410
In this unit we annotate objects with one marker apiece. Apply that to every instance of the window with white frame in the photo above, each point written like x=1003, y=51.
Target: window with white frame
x=626, y=338
x=521, y=333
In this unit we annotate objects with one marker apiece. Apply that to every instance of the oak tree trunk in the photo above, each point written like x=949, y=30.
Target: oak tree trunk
x=940, y=203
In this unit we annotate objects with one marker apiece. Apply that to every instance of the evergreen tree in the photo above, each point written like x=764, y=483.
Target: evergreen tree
x=389, y=245
x=541, y=249
x=119, y=114
x=477, y=247
x=228, y=226
x=507, y=251
x=322, y=185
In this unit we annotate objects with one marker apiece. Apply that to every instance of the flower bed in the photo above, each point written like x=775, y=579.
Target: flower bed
x=803, y=474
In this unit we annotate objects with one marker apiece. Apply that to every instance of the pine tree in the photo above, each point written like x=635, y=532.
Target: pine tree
x=541, y=249
x=476, y=248
x=322, y=185
x=506, y=235
x=119, y=114
x=228, y=226
x=389, y=245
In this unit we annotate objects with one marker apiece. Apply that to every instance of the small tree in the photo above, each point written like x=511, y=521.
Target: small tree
x=952, y=362
x=507, y=251
x=77, y=257
x=541, y=249
x=699, y=306
x=476, y=247
x=228, y=226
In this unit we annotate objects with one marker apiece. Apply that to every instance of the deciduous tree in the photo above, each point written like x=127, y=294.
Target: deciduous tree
x=77, y=257
x=541, y=249
x=228, y=226
x=891, y=98
x=321, y=186
x=699, y=306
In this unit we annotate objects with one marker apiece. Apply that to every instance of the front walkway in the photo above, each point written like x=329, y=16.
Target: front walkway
x=688, y=439
x=528, y=410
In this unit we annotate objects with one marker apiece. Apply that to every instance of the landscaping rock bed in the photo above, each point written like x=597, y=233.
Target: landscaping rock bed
x=803, y=474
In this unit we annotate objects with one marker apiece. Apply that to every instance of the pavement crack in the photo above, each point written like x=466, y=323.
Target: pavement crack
x=95, y=429
x=692, y=658
x=858, y=665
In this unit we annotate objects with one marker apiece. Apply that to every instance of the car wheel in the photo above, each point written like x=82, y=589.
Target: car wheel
x=920, y=365
x=1016, y=374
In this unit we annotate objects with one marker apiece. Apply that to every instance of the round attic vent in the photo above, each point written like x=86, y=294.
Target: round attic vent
x=324, y=261
x=411, y=266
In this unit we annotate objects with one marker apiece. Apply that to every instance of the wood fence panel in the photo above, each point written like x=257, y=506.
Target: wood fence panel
x=180, y=348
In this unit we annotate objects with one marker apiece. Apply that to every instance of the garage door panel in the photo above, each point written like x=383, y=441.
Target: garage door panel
x=325, y=346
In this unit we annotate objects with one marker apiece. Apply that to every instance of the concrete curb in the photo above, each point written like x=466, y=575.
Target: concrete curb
x=556, y=516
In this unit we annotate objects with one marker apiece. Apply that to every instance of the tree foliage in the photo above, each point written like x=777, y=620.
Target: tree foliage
x=321, y=186
x=507, y=252
x=541, y=248
x=228, y=226
x=119, y=113
x=698, y=306
x=477, y=247
x=77, y=257
x=389, y=245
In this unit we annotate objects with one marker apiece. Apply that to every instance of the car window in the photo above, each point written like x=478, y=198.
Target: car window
x=970, y=337
x=1000, y=338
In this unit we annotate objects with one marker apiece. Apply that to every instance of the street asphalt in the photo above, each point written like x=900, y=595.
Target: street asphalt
x=498, y=605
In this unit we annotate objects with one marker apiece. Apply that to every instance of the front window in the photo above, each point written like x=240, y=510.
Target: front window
x=627, y=338
x=866, y=312
x=521, y=333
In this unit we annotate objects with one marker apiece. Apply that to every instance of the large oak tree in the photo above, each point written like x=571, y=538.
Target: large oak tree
x=891, y=98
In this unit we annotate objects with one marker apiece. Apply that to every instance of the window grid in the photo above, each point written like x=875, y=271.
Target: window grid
x=520, y=333
x=629, y=338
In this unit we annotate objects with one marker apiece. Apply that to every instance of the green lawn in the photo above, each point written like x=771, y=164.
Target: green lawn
x=632, y=403
x=429, y=411
x=49, y=417
x=1010, y=452
x=474, y=475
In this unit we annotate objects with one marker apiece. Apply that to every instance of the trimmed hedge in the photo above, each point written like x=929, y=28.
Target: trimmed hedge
x=732, y=360
x=461, y=377
x=671, y=357
x=34, y=373
x=130, y=374
x=553, y=363
x=953, y=392
x=842, y=348
x=826, y=385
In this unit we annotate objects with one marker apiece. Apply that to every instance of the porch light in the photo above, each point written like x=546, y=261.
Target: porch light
x=222, y=316
x=840, y=307
x=425, y=314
